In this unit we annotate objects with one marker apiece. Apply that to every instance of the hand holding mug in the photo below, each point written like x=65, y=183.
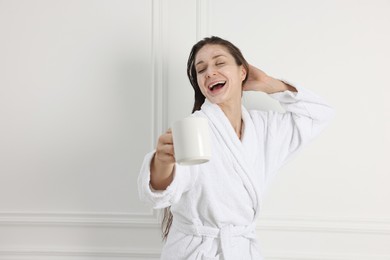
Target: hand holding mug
x=163, y=162
x=164, y=150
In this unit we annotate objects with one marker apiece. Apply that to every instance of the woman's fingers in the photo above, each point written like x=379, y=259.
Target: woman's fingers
x=165, y=153
x=165, y=150
x=256, y=80
x=165, y=139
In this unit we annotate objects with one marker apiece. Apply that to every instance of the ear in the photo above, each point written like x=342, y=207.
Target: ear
x=243, y=73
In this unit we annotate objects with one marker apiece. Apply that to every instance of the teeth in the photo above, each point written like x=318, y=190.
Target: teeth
x=216, y=83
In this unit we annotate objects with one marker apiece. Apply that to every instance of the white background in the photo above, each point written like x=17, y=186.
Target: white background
x=87, y=86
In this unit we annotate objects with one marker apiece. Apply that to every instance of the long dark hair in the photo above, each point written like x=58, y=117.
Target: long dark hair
x=199, y=97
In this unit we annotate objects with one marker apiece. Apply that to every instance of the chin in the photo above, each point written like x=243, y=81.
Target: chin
x=216, y=100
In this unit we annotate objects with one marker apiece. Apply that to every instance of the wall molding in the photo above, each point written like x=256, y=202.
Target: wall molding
x=321, y=256
x=158, y=102
x=95, y=219
x=202, y=19
x=91, y=252
x=324, y=224
x=270, y=223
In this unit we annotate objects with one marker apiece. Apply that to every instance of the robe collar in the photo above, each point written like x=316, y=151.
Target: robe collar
x=243, y=151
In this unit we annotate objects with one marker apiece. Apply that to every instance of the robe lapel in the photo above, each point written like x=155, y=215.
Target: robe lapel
x=243, y=152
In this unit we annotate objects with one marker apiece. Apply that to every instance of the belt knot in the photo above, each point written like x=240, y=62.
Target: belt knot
x=225, y=234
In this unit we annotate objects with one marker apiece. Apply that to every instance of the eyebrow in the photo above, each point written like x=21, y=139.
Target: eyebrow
x=216, y=56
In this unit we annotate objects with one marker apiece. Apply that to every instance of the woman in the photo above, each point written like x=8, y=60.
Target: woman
x=215, y=205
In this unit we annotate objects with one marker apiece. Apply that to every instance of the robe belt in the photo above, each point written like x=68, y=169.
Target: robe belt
x=225, y=234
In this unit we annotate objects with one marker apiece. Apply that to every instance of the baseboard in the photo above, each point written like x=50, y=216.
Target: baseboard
x=321, y=256
x=87, y=252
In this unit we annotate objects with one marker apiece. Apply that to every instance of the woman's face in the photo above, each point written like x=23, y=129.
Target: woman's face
x=219, y=77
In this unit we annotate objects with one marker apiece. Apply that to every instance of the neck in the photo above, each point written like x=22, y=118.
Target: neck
x=234, y=114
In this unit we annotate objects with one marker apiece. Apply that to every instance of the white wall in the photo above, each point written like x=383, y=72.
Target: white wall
x=86, y=87
x=77, y=114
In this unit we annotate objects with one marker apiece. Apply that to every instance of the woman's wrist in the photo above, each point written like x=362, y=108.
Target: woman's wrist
x=276, y=85
x=161, y=173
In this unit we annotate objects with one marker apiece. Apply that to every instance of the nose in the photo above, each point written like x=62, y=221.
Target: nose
x=210, y=72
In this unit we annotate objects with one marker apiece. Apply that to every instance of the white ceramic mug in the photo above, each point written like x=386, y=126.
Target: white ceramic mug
x=191, y=140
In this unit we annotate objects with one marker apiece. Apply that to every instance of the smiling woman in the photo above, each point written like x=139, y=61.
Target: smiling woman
x=211, y=208
x=218, y=76
x=221, y=54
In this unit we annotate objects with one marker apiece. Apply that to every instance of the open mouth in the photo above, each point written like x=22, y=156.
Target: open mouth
x=217, y=85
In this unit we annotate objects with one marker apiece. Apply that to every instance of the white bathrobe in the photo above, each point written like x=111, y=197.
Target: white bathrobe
x=215, y=204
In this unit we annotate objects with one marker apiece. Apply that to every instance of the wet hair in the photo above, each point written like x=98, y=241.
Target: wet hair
x=191, y=71
x=199, y=97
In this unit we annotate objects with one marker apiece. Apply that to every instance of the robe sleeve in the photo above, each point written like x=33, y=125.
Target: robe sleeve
x=285, y=133
x=182, y=182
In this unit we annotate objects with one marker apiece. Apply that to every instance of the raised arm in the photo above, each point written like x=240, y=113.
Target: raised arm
x=258, y=80
x=285, y=133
